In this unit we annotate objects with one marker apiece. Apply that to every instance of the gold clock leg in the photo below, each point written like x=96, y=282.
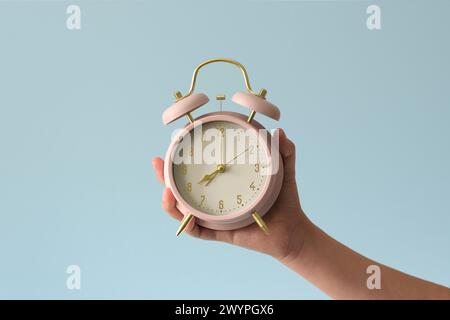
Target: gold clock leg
x=260, y=222
x=187, y=218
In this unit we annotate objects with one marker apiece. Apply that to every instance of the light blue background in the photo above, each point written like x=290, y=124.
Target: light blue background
x=80, y=120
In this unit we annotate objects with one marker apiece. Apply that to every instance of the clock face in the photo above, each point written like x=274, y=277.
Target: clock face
x=220, y=168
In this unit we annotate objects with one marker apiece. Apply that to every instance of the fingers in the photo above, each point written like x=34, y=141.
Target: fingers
x=169, y=204
x=287, y=150
x=200, y=232
x=158, y=165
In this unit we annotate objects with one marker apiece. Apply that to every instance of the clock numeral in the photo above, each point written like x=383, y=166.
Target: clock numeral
x=221, y=204
x=252, y=185
x=202, y=199
x=184, y=169
x=222, y=130
x=189, y=186
x=257, y=167
x=192, y=151
x=239, y=199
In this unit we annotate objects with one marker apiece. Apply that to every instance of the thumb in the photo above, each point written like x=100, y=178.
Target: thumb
x=287, y=151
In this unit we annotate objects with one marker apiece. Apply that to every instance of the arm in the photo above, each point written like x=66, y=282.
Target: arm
x=303, y=247
x=340, y=272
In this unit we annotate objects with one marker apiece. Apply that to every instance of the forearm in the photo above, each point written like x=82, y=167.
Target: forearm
x=341, y=272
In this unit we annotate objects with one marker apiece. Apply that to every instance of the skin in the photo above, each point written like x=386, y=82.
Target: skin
x=307, y=250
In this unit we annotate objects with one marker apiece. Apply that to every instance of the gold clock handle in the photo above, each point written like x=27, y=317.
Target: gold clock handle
x=179, y=96
x=234, y=62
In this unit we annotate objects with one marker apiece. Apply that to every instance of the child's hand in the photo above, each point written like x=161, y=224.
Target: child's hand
x=286, y=220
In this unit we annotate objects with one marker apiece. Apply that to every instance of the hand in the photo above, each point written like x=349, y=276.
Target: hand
x=286, y=221
x=306, y=249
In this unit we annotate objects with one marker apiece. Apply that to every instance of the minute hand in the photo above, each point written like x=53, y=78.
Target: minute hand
x=236, y=156
x=216, y=172
x=210, y=177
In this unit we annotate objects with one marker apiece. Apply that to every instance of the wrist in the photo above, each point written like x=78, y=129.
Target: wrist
x=300, y=242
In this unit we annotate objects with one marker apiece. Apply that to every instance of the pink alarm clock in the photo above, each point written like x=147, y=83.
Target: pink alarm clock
x=223, y=167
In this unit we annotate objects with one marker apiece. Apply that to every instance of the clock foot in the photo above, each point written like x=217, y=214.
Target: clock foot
x=260, y=222
x=187, y=218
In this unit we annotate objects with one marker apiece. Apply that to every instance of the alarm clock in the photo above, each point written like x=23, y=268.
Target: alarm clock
x=240, y=180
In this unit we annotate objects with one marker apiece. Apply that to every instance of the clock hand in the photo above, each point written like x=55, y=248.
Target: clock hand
x=212, y=175
x=222, y=146
x=207, y=177
x=237, y=156
x=220, y=169
x=212, y=178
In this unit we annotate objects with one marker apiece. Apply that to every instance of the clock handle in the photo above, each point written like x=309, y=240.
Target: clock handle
x=225, y=60
x=187, y=103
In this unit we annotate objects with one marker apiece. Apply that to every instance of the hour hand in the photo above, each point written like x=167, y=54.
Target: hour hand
x=206, y=177
x=209, y=177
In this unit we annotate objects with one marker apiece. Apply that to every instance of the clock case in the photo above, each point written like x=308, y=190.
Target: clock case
x=257, y=103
